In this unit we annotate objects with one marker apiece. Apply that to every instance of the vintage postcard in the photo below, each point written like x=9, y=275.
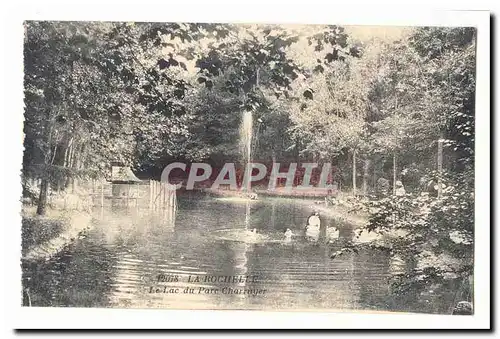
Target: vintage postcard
x=249, y=166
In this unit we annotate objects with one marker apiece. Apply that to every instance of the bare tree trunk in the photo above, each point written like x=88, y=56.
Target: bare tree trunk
x=53, y=155
x=394, y=178
x=79, y=156
x=69, y=162
x=73, y=166
x=366, y=167
x=67, y=152
x=42, y=199
x=332, y=177
x=102, y=198
x=354, y=172
x=297, y=151
x=44, y=184
x=440, y=166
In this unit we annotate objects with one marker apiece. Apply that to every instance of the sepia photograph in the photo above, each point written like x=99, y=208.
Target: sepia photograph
x=249, y=166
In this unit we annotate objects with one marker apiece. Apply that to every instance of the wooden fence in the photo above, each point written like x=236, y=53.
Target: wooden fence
x=162, y=196
x=150, y=194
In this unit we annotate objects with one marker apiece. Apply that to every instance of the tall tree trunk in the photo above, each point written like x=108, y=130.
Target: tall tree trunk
x=333, y=179
x=42, y=199
x=297, y=150
x=75, y=164
x=64, y=179
x=69, y=164
x=67, y=152
x=53, y=155
x=44, y=184
x=80, y=161
x=440, y=166
x=366, y=167
x=394, y=177
x=354, y=172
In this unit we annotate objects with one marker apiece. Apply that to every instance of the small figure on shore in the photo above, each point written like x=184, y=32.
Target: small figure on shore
x=400, y=189
x=330, y=200
x=288, y=235
x=252, y=235
x=313, y=226
x=382, y=186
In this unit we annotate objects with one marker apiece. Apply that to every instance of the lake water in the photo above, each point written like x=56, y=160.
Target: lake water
x=129, y=256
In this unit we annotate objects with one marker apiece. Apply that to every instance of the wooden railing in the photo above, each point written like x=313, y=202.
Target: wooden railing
x=150, y=194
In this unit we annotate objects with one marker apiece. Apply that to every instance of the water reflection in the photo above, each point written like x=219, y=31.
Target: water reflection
x=120, y=262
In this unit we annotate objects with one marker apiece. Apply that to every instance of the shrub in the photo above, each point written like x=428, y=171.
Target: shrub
x=434, y=234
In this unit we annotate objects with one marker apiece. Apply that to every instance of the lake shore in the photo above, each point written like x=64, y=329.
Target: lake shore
x=45, y=236
x=340, y=212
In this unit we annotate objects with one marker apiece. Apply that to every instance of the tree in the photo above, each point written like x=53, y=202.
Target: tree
x=435, y=90
x=244, y=70
x=332, y=102
x=91, y=98
x=52, y=50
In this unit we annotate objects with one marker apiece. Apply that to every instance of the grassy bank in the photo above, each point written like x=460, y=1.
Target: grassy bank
x=44, y=236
